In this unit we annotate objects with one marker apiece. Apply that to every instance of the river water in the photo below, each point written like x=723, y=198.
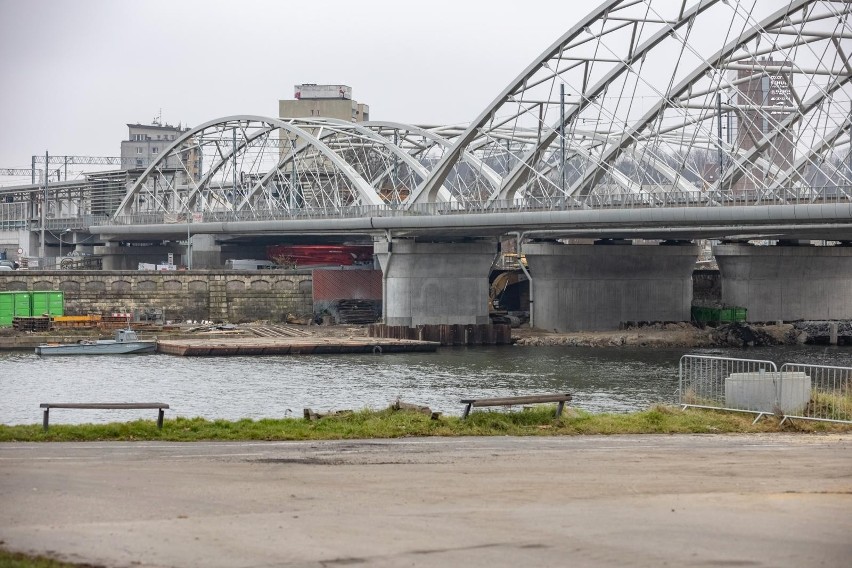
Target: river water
x=617, y=379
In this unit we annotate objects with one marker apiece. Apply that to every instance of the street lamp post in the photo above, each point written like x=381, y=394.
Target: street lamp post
x=188, y=243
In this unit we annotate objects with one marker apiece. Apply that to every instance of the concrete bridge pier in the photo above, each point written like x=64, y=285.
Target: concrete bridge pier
x=787, y=283
x=597, y=287
x=435, y=283
x=205, y=251
x=121, y=257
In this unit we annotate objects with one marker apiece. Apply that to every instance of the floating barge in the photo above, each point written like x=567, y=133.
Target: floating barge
x=230, y=347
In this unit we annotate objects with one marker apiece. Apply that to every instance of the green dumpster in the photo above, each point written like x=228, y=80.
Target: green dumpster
x=49, y=303
x=14, y=305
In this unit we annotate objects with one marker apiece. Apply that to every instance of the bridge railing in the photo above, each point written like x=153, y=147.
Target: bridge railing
x=790, y=196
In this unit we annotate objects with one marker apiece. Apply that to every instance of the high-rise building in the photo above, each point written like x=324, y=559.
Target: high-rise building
x=764, y=92
x=329, y=101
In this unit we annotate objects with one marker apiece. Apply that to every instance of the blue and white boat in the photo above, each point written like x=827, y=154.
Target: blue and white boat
x=126, y=342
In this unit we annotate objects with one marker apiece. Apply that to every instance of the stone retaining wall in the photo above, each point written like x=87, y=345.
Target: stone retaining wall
x=186, y=295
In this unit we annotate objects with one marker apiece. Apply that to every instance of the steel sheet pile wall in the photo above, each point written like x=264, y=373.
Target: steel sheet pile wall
x=447, y=334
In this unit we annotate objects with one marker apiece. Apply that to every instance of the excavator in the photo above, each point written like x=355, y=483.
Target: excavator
x=496, y=310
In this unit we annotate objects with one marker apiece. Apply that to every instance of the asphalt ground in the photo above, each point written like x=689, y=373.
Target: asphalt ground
x=707, y=500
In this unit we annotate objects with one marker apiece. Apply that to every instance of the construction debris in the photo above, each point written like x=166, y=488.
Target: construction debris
x=399, y=405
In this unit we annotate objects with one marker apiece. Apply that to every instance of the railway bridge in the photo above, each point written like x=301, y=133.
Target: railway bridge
x=647, y=126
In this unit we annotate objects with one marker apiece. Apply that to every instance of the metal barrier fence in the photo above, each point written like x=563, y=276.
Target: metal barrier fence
x=828, y=391
x=703, y=382
x=811, y=392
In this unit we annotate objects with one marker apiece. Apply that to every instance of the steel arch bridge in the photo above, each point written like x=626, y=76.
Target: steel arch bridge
x=643, y=101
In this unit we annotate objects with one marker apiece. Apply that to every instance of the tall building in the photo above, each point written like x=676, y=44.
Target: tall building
x=319, y=101
x=765, y=88
x=145, y=142
x=329, y=101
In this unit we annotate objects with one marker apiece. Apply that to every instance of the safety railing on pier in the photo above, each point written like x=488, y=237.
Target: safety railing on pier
x=811, y=392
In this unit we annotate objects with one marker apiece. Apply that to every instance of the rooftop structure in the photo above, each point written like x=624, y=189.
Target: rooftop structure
x=145, y=143
x=327, y=101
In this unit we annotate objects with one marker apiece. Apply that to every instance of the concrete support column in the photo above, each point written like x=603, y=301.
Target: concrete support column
x=787, y=283
x=598, y=287
x=435, y=283
x=117, y=257
x=206, y=253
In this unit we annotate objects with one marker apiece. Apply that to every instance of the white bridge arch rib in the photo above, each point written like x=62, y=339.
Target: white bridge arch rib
x=339, y=133
x=245, y=131
x=809, y=38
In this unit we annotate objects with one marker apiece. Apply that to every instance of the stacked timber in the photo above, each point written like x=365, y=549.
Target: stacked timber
x=38, y=323
x=357, y=312
x=447, y=334
x=115, y=321
x=87, y=321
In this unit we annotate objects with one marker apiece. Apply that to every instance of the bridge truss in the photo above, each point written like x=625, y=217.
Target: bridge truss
x=650, y=102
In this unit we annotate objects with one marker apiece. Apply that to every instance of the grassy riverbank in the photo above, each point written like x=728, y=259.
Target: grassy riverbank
x=391, y=423
x=16, y=560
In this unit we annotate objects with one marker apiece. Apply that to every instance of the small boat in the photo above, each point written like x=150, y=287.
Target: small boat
x=126, y=341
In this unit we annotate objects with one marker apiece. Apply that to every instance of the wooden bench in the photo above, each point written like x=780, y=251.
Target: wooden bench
x=104, y=405
x=560, y=398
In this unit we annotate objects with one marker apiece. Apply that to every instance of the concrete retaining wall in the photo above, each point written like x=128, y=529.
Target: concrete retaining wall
x=197, y=295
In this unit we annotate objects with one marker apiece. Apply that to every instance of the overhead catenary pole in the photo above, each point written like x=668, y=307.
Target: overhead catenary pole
x=42, y=252
x=235, y=164
x=719, y=125
x=562, y=134
x=188, y=243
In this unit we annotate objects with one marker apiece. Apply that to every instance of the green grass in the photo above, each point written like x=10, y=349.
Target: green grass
x=18, y=560
x=390, y=423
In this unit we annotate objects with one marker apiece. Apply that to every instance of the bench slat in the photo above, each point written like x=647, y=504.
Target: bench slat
x=510, y=400
x=104, y=405
x=561, y=398
x=160, y=406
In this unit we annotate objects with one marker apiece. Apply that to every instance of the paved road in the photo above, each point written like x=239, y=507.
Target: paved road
x=756, y=500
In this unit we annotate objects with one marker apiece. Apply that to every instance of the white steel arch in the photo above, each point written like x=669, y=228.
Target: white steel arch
x=376, y=158
x=641, y=97
x=673, y=107
x=240, y=149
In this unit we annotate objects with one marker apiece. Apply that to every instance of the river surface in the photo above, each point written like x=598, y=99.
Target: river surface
x=617, y=379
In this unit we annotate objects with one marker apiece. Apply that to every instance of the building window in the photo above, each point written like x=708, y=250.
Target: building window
x=154, y=150
x=138, y=163
x=139, y=150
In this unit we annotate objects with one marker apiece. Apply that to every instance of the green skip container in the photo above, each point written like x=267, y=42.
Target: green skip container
x=14, y=305
x=719, y=315
x=49, y=303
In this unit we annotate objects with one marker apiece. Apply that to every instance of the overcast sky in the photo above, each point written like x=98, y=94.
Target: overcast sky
x=75, y=73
